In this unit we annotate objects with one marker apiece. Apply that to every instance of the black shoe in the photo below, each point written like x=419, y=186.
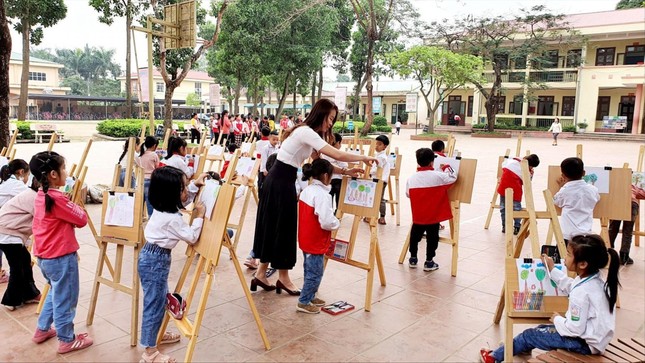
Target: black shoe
x=625, y=259
x=503, y=230
x=516, y=230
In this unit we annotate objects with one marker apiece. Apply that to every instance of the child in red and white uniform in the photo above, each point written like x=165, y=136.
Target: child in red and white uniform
x=427, y=185
x=316, y=220
x=512, y=178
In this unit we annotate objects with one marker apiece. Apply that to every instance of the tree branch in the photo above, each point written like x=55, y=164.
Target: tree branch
x=360, y=13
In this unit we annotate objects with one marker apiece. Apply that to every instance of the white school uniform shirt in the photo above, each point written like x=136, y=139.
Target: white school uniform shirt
x=178, y=162
x=588, y=315
x=556, y=128
x=397, y=124
x=382, y=162
x=266, y=151
x=317, y=195
x=336, y=163
x=245, y=128
x=10, y=188
x=577, y=200
x=299, y=146
x=167, y=229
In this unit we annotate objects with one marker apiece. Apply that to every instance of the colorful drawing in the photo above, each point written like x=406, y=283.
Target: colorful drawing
x=534, y=275
x=161, y=153
x=69, y=185
x=638, y=179
x=120, y=210
x=598, y=177
x=210, y=191
x=454, y=163
x=360, y=193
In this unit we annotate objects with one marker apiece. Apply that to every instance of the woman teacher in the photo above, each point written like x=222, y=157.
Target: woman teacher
x=277, y=216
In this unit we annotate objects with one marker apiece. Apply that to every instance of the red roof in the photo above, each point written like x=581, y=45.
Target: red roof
x=604, y=18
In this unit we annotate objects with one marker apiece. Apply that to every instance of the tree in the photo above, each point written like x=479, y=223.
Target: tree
x=342, y=77
x=5, y=57
x=438, y=70
x=630, y=4
x=110, y=9
x=498, y=41
x=31, y=16
x=192, y=99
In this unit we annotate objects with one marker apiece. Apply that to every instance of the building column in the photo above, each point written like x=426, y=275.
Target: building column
x=636, y=126
x=525, y=91
x=477, y=99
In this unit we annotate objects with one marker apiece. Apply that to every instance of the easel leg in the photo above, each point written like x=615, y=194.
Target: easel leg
x=398, y=202
x=90, y=223
x=97, y=283
x=43, y=296
x=508, y=340
x=637, y=228
x=379, y=265
x=240, y=224
x=390, y=194
x=406, y=246
x=255, y=195
x=454, y=236
x=493, y=204
x=190, y=349
x=370, y=272
x=604, y=231
x=500, y=307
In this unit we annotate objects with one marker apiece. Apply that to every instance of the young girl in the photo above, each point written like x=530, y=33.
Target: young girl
x=336, y=179
x=177, y=155
x=168, y=194
x=55, y=246
x=123, y=161
x=13, y=181
x=588, y=325
x=316, y=221
x=149, y=161
x=16, y=219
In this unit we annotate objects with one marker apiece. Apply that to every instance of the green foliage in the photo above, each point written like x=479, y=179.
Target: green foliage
x=110, y=9
x=193, y=100
x=35, y=15
x=630, y=4
x=341, y=77
x=338, y=127
x=120, y=128
x=569, y=129
x=380, y=121
x=24, y=131
x=583, y=125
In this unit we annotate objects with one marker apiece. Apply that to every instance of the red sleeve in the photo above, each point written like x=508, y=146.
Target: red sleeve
x=70, y=212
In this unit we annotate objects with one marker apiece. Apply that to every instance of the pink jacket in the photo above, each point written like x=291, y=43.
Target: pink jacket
x=54, y=231
x=17, y=215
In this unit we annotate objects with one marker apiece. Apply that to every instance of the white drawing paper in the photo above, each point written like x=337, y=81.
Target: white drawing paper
x=216, y=150
x=391, y=159
x=638, y=179
x=244, y=166
x=454, y=163
x=193, y=162
x=209, y=196
x=245, y=148
x=598, y=177
x=120, y=210
x=534, y=277
x=3, y=161
x=360, y=193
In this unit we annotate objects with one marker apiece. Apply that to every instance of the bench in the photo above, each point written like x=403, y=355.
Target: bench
x=620, y=350
x=183, y=134
x=45, y=130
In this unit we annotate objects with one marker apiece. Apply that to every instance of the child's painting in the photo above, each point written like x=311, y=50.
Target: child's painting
x=338, y=249
x=246, y=148
x=120, y=210
x=534, y=277
x=598, y=177
x=440, y=161
x=210, y=191
x=360, y=193
x=638, y=179
x=391, y=159
x=216, y=150
x=193, y=162
x=161, y=153
x=244, y=166
x=69, y=185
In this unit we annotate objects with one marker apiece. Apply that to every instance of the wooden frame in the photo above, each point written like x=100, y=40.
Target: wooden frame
x=250, y=190
x=395, y=199
x=637, y=224
x=493, y=203
x=9, y=152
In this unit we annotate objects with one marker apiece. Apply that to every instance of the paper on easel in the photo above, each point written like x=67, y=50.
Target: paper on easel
x=391, y=159
x=245, y=148
x=209, y=196
x=454, y=163
x=216, y=150
x=360, y=193
x=244, y=166
x=598, y=177
x=161, y=153
x=120, y=210
x=534, y=277
x=638, y=179
x=69, y=185
x=3, y=161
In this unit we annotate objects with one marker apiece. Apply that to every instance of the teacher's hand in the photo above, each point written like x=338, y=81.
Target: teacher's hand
x=369, y=160
x=354, y=172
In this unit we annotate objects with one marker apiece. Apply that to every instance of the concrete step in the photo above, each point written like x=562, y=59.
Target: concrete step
x=609, y=137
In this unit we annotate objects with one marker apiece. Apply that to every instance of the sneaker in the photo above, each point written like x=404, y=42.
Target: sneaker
x=430, y=266
x=270, y=272
x=516, y=230
x=81, y=341
x=308, y=308
x=40, y=336
x=485, y=356
x=413, y=262
x=250, y=263
x=318, y=302
x=9, y=307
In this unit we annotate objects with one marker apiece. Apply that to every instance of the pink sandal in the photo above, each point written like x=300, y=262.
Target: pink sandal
x=169, y=338
x=156, y=357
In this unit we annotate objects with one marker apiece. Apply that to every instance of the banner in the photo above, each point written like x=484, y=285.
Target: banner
x=143, y=85
x=340, y=98
x=376, y=104
x=214, y=95
x=411, y=102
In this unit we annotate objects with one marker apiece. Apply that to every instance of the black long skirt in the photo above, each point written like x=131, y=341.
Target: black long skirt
x=276, y=226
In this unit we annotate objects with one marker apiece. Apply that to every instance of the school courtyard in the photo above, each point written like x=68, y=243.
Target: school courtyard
x=417, y=317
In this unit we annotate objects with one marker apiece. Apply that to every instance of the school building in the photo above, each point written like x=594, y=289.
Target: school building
x=599, y=83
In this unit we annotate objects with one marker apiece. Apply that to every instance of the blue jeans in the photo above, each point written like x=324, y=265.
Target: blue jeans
x=544, y=337
x=154, y=266
x=502, y=211
x=122, y=179
x=313, y=275
x=146, y=187
x=60, y=305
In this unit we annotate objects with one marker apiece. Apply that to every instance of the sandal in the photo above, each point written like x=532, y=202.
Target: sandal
x=156, y=357
x=4, y=277
x=169, y=338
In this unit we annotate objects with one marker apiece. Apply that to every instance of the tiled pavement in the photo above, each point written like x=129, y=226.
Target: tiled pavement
x=417, y=316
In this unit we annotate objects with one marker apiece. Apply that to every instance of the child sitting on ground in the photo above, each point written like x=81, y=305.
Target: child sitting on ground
x=55, y=246
x=628, y=228
x=576, y=198
x=169, y=192
x=382, y=142
x=316, y=220
x=512, y=178
x=428, y=193
x=588, y=326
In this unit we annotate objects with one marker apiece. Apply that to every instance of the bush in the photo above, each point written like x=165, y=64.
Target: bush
x=569, y=129
x=120, y=128
x=383, y=128
x=24, y=131
x=379, y=121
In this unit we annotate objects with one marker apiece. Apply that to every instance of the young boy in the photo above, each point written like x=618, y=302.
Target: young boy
x=268, y=149
x=512, y=178
x=336, y=179
x=576, y=198
x=628, y=228
x=424, y=186
x=382, y=162
x=438, y=147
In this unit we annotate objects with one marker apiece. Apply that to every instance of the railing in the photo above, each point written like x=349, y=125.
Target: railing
x=531, y=120
x=553, y=75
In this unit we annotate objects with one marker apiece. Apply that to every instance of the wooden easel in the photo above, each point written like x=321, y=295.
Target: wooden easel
x=637, y=224
x=250, y=190
x=9, y=152
x=450, y=146
x=493, y=203
x=460, y=192
x=394, y=200
x=207, y=252
x=121, y=237
x=372, y=214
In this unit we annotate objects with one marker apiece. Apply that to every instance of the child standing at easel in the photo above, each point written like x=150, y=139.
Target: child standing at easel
x=177, y=155
x=336, y=179
x=149, y=161
x=427, y=185
x=588, y=326
x=316, y=220
x=576, y=198
x=438, y=147
x=382, y=142
x=512, y=178
x=55, y=246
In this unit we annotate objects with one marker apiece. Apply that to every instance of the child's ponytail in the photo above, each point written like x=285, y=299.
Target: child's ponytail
x=316, y=169
x=12, y=168
x=307, y=171
x=149, y=142
x=612, y=283
x=41, y=165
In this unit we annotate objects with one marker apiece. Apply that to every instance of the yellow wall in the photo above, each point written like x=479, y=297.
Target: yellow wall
x=52, y=79
x=620, y=45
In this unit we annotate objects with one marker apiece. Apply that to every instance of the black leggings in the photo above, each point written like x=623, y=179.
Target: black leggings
x=195, y=134
x=21, y=285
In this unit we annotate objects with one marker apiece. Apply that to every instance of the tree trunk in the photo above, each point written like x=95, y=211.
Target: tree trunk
x=294, y=98
x=238, y=87
x=5, y=56
x=491, y=101
x=490, y=113
x=230, y=100
x=254, y=111
x=369, y=70
x=283, y=97
x=24, y=80
x=313, y=88
x=320, y=83
x=167, y=104
x=431, y=113
x=357, y=97
x=128, y=70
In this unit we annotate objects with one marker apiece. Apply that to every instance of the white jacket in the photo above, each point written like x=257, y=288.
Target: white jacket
x=556, y=128
x=381, y=162
x=577, y=200
x=588, y=315
x=10, y=188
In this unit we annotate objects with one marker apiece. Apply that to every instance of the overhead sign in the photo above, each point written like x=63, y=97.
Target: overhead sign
x=214, y=96
x=340, y=98
x=376, y=104
x=411, y=102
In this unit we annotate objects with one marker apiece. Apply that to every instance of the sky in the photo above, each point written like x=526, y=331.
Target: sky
x=81, y=26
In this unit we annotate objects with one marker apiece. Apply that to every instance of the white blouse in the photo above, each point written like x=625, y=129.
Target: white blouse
x=178, y=162
x=299, y=146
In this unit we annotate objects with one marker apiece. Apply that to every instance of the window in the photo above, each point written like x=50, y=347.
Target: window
x=568, y=105
x=602, y=109
x=470, y=106
x=605, y=57
x=545, y=105
x=520, y=62
x=160, y=87
x=500, y=100
x=574, y=58
x=634, y=54
x=37, y=76
x=502, y=60
x=550, y=59
x=198, y=89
